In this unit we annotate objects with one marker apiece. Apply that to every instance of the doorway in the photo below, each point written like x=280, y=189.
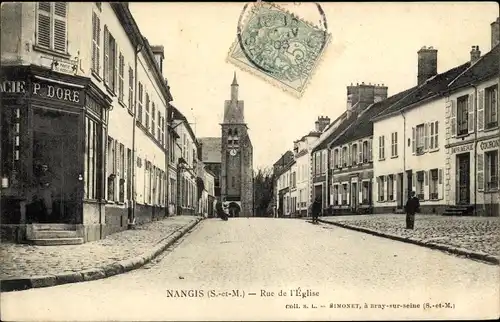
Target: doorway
x=57, y=177
x=463, y=181
x=409, y=181
x=400, y=190
x=354, y=195
x=234, y=209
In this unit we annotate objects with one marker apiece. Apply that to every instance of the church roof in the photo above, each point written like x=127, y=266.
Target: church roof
x=211, y=149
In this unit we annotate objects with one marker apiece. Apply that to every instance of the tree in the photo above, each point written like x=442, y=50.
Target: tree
x=263, y=192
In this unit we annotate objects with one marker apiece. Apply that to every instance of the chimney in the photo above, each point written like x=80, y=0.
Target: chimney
x=380, y=93
x=322, y=123
x=427, y=64
x=495, y=33
x=159, y=53
x=475, y=54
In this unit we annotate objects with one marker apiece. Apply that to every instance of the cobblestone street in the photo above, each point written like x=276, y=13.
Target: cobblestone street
x=331, y=265
x=479, y=234
x=22, y=261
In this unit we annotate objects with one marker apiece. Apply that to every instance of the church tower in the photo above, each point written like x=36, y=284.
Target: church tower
x=236, y=158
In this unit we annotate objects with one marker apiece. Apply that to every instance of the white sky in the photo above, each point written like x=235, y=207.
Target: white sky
x=371, y=42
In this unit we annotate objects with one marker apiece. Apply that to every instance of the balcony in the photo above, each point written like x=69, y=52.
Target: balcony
x=434, y=196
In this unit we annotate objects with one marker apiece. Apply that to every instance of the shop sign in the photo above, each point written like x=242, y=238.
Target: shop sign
x=45, y=90
x=462, y=148
x=490, y=144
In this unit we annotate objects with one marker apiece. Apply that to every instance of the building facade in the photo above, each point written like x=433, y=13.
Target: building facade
x=187, y=165
x=81, y=72
x=301, y=150
x=472, y=141
x=236, y=157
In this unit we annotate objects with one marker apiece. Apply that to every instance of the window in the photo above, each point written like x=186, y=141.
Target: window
x=381, y=147
x=129, y=174
x=146, y=118
x=121, y=76
x=462, y=115
x=390, y=187
x=491, y=170
x=336, y=159
x=394, y=144
x=491, y=107
x=122, y=165
x=365, y=193
x=336, y=197
x=433, y=184
x=111, y=168
x=173, y=190
x=380, y=182
x=354, y=153
x=110, y=63
x=52, y=26
x=153, y=118
x=420, y=185
x=317, y=163
x=139, y=103
x=92, y=161
x=365, y=151
x=172, y=147
x=344, y=156
x=96, y=43
x=130, y=88
x=160, y=126
x=434, y=135
x=420, y=138
x=345, y=188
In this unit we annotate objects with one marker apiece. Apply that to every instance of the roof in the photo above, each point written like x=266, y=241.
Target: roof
x=342, y=126
x=486, y=67
x=432, y=87
x=177, y=115
x=286, y=157
x=211, y=148
x=363, y=126
x=312, y=133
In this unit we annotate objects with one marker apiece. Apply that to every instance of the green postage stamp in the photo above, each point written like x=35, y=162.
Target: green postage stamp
x=278, y=46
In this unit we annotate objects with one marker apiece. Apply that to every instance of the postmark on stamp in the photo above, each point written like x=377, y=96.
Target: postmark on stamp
x=279, y=46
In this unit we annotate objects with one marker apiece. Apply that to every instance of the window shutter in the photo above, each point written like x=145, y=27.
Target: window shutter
x=426, y=136
x=360, y=193
x=413, y=143
x=394, y=186
x=436, y=135
x=426, y=185
x=43, y=28
x=470, y=116
x=370, y=154
x=96, y=43
x=480, y=111
x=339, y=195
x=60, y=32
x=348, y=193
x=413, y=182
x=349, y=156
x=106, y=55
x=480, y=171
x=360, y=151
x=440, y=184
x=453, y=118
x=115, y=65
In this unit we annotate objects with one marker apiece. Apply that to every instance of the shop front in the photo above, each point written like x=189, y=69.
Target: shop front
x=46, y=167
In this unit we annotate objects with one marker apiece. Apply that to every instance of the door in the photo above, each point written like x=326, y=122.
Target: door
x=354, y=195
x=57, y=166
x=463, y=183
x=400, y=190
x=409, y=186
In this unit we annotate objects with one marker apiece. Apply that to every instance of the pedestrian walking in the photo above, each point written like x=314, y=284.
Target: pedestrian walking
x=316, y=209
x=412, y=207
x=220, y=210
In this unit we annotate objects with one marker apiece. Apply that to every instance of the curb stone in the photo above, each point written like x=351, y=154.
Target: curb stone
x=458, y=251
x=93, y=274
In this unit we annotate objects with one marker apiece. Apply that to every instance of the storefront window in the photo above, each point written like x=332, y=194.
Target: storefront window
x=10, y=144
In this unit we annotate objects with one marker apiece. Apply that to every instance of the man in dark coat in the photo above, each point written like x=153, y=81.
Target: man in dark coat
x=316, y=209
x=411, y=208
x=220, y=210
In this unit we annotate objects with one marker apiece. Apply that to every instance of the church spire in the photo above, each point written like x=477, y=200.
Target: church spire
x=234, y=89
x=235, y=82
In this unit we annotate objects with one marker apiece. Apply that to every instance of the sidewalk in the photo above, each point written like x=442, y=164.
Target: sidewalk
x=28, y=266
x=474, y=237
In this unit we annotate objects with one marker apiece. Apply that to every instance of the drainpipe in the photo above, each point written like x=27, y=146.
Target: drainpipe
x=327, y=182
x=131, y=223
x=475, y=149
x=405, y=145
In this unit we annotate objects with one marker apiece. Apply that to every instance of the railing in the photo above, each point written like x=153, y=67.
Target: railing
x=434, y=196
